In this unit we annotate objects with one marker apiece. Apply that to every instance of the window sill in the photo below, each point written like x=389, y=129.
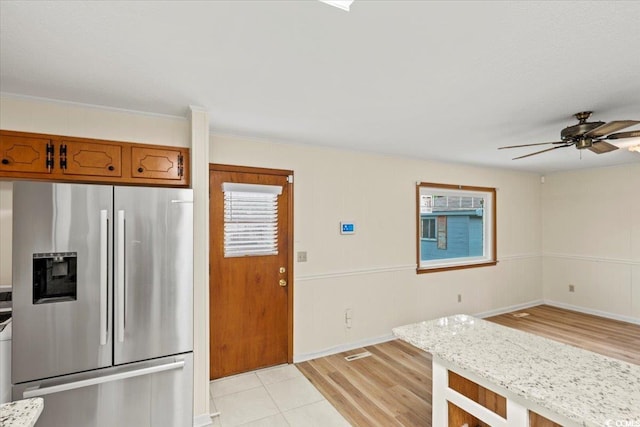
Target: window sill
x=435, y=269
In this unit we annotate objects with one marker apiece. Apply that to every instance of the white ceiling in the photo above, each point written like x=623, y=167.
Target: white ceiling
x=448, y=80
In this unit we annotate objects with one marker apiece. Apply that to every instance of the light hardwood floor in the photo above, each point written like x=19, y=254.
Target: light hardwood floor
x=612, y=338
x=393, y=386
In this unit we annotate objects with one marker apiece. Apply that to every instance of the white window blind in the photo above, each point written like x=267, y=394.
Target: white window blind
x=250, y=219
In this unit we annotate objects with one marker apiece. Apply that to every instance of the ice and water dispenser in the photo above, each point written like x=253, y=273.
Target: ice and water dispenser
x=54, y=277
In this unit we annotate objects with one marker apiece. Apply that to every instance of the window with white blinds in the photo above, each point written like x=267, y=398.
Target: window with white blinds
x=250, y=219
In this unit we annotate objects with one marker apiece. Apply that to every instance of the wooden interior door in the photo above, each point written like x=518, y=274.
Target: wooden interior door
x=251, y=297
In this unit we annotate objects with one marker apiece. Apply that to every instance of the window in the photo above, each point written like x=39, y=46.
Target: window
x=250, y=219
x=457, y=227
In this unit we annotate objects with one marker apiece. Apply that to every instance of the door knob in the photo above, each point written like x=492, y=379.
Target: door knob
x=283, y=283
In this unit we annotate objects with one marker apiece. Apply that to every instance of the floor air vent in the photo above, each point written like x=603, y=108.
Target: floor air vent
x=357, y=356
x=520, y=314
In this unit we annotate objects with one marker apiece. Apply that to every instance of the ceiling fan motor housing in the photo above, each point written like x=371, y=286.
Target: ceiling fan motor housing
x=572, y=133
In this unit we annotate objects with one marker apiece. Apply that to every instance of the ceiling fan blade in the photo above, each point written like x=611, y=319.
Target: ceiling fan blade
x=631, y=134
x=538, y=152
x=614, y=126
x=529, y=145
x=600, y=147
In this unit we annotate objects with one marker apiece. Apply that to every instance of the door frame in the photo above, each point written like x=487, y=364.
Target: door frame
x=217, y=167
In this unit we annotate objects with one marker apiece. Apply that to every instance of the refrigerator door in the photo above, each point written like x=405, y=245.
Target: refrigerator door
x=61, y=258
x=153, y=278
x=156, y=393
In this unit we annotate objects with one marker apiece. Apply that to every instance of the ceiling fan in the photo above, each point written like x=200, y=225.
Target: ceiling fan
x=589, y=135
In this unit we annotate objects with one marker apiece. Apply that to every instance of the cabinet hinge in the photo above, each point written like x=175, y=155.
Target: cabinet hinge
x=63, y=156
x=49, y=159
x=180, y=165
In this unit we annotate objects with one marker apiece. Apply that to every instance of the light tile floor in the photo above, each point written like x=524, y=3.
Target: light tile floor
x=273, y=397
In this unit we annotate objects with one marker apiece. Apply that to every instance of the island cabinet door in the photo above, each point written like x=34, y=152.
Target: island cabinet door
x=157, y=163
x=536, y=420
x=90, y=159
x=25, y=154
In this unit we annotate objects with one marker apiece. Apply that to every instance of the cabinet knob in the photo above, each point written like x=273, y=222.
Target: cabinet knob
x=140, y=170
x=111, y=168
x=5, y=161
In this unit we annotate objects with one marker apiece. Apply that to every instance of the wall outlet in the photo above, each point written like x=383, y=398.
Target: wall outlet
x=302, y=256
x=572, y=288
x=459, y=297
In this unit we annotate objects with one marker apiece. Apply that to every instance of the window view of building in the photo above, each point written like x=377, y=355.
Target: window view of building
x=452, y=228
x=456, y=227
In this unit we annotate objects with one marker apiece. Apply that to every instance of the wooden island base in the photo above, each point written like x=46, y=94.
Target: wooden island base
x=477, y=400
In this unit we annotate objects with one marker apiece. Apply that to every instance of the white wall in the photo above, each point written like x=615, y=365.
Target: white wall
x=69, y=119
x=591, y=239
x=373, y=271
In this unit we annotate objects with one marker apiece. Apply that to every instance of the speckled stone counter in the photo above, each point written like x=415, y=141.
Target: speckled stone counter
x=21, y=413
x=582, y=386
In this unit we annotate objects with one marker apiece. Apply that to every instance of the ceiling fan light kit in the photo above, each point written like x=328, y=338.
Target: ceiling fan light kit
x=631, y=144
x=588, y=135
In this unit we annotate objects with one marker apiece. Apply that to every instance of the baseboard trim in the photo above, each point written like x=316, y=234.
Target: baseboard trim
x=384, y=338
x=389, y=337
x=592, y=311
x=343, y=347
x=508, y=309
x=202, y=420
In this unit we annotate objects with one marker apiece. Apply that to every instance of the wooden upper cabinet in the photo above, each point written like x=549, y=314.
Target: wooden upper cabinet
x=85, y=158
x=26, y=154
x=157, y=163
x=71, y=159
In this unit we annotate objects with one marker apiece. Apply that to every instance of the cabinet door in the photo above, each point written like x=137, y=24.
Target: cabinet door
x=93, y=159
x=157, y=163
x=25, y=154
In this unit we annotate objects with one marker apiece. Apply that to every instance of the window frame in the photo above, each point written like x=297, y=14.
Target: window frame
x=490, y=247
x=435, y=229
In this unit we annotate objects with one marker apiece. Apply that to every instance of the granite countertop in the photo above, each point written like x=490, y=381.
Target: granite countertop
x=583, y=386
x=21, y=413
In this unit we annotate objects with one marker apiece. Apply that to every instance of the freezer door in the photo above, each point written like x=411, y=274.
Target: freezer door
x=153, y=314
x=61, y=285
x=157, y=393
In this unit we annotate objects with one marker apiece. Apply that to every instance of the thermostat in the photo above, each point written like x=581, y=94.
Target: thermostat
x=347, y=227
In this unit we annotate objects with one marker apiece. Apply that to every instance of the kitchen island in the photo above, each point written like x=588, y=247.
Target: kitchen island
x=537, y=380
x=21, y=413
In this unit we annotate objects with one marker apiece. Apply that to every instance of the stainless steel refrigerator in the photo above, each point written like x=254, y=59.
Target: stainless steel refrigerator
x=103, y=309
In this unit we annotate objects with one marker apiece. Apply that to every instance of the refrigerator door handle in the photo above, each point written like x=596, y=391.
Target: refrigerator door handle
x=121, y=276
x=37, y=391
x=104, y=259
